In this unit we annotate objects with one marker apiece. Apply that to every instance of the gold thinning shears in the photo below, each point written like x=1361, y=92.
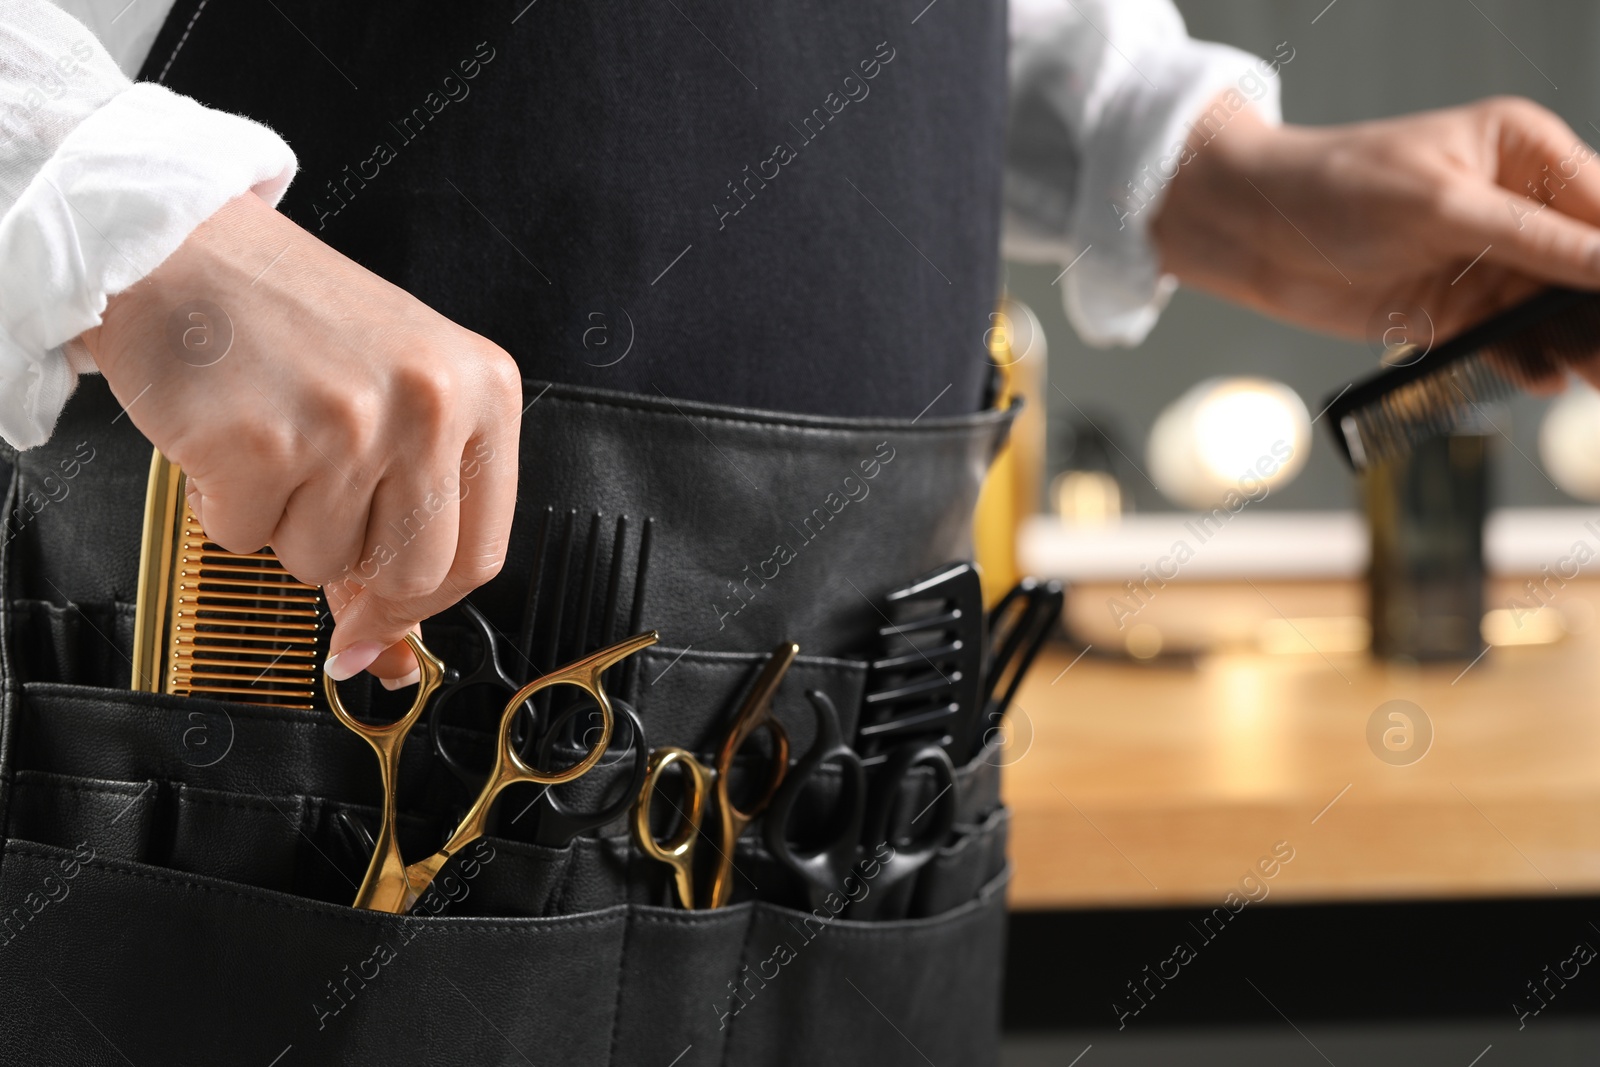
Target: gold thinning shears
x=393, y=886
x=699, y=782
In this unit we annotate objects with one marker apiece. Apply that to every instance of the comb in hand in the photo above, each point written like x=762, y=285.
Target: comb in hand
x=1443, y=390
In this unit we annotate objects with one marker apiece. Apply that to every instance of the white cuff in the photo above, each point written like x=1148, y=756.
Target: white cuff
x=1118, y=298
x=118, y=196
x=1104, y=97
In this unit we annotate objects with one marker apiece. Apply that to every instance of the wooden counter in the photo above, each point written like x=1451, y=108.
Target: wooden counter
x=1147, y=784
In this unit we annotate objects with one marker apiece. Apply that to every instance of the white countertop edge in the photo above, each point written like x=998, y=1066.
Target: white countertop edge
x=1287, y=545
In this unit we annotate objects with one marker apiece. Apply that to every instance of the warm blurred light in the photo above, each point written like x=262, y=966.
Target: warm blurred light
x=1087, y=498
x=1569, y=441
x=1334, y=633
x=1543, y=626
x=1229, y=440
x=1144, y=641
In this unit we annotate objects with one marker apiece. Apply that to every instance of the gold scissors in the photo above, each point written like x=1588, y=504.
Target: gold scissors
x=393, y=886
x=678, y=851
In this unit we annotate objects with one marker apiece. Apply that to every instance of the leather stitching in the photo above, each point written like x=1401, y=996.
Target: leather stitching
x=989, y=420
x=435, y=924
x=744, y=948
x=35, y=780
x=622, y=981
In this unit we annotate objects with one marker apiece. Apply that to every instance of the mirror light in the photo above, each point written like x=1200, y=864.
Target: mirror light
x=1569, y=441
x=1229, y=439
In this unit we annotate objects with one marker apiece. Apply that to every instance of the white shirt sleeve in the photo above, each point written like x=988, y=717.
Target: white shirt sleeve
x=100, y=181
x=1104, y=94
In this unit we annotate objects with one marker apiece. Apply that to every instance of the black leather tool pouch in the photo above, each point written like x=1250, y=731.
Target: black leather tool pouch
x=176, y=872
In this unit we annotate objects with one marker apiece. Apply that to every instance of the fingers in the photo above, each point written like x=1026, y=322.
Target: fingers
x=375, y=615
x=396, y=667
x=1537, y=212
x=320, y=536
x=1547, y=245
x=411, y=538
x=488, y=501
x=235, y=513
x=1543, y=159
x=407, y=553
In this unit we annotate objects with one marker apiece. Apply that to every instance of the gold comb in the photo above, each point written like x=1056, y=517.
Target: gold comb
x=212, y=623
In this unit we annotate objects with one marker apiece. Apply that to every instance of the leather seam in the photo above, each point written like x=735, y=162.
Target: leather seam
x=744, y=949
x=932, y=429
x=11, y=702
x=109, y=789
x=622, y=981
x=353, y=916
x=187, y=797
x=675, y=920
x=129, y=698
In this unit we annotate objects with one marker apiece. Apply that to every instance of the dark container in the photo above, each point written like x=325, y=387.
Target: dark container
x=1425, y=514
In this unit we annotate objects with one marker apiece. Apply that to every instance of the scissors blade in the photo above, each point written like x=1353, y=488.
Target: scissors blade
x=754, y=714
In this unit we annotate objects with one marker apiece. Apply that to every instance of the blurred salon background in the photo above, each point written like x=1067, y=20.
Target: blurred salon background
x=1392, y=678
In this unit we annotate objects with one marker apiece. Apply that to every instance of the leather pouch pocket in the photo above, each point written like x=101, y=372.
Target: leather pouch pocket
x=182, y=968
x=678, y=968
x=814, y=989
x=759, y=984
x=254, y=840
x=959, y=870
x=113, y=819
x=497, y=877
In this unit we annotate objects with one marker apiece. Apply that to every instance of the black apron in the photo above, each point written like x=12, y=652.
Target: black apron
x=792, y=207
x=174, y=882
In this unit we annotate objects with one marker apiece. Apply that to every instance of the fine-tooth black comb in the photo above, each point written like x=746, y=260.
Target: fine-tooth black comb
x=1441, y=391
x=549, y=635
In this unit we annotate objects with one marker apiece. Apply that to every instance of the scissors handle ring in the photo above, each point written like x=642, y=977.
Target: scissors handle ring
x=513, y=768
x=585, y=674
x=488, y=673
x=825, y=868
x=756, y=714
x=677, y=851
x=386, y=887
x=431, y=669
x=559, y=824
x=913, y=850
x=509, y=767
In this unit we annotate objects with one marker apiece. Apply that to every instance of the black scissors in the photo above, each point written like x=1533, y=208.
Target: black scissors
x=864, y=821
x=1018, y=626
x=557, y=824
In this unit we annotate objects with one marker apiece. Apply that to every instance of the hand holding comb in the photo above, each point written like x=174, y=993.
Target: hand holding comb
x=1443, y=389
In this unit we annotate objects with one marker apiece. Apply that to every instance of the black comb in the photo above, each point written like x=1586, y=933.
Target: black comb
x=564, y=616
x=1441, y=392
x=928, y=675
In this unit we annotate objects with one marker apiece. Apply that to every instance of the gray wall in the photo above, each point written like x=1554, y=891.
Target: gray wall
x=1362, y=59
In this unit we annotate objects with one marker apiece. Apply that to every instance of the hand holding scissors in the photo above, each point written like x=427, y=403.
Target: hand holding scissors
x=391, y=885
x=862, y=820
x=678, y=852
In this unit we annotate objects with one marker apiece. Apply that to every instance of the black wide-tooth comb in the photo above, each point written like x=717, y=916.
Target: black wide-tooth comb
x=1442, y=390
x=926, y=682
